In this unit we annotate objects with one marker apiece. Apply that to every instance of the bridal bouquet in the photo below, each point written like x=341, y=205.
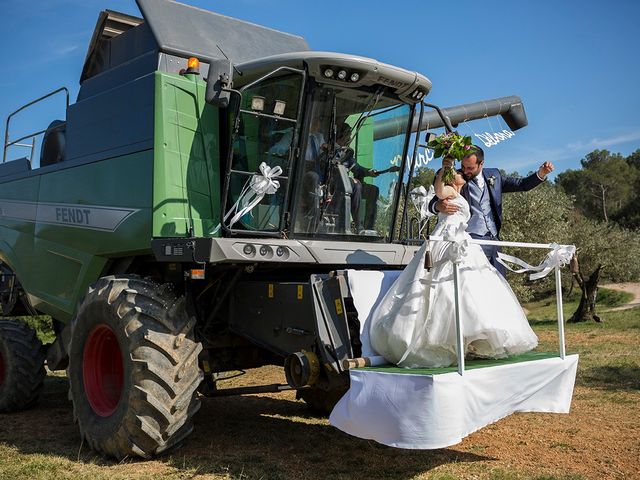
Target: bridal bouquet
x=451, y=145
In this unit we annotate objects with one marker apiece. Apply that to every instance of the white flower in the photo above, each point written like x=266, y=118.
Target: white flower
x=491, y=180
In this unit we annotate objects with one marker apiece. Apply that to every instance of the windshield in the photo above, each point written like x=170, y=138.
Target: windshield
x=261, y=151
x=351, y=158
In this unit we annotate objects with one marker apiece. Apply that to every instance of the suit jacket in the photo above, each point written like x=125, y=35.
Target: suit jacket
x=501, y=184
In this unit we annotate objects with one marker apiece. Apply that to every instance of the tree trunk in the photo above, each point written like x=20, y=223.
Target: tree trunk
x=587, y=309
x=604, y=203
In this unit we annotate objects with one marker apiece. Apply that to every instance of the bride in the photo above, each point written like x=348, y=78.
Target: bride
x=414, y=324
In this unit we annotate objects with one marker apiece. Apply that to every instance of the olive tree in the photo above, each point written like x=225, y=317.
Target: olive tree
x=540, y=215
x=604, y=249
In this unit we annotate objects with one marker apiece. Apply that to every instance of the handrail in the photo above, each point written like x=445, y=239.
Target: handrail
x=459, y=332
x=8, y=144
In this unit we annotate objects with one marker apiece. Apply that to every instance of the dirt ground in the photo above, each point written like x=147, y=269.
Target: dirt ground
x=596, y=440
x=271, y=436
x=626, y=287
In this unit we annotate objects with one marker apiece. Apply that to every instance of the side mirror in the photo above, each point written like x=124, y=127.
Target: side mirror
x=218, y=81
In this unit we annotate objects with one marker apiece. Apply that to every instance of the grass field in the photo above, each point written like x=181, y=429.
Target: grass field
x=273, y=437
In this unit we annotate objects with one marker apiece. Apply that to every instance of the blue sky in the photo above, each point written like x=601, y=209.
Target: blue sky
x=575, y=64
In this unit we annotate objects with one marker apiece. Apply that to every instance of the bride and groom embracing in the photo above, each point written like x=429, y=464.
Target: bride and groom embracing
x=414, y=324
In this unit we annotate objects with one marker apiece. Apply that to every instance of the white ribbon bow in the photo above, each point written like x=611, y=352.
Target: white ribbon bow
x=459, y=239
x=252, y=193
x=560, y=255
x=421, y=198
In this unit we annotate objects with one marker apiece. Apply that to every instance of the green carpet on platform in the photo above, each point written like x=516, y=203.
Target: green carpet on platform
x=469, y=364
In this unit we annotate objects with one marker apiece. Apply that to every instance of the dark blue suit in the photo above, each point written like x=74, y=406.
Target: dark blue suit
x=496, y=184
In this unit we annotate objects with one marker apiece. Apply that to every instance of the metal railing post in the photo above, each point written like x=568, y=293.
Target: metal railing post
x=33, y=149
x=6, y=140
x=459, y=333
x=8, y=144
x=560, y=312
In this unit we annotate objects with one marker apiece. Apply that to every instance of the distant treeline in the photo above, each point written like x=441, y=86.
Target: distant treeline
x=606, y=187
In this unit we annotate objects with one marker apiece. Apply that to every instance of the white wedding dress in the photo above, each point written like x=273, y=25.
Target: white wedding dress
x=414, y=324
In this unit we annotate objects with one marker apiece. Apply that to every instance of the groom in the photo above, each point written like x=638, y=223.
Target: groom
x=483, y=191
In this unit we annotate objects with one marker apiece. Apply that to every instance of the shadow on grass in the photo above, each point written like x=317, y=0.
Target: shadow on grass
x=47, y=427
x=274, y=438
x=624, y=377
x=541, y=323
x=235, y=437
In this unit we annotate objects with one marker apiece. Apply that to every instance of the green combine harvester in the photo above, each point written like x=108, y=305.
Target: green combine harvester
x=192, y=216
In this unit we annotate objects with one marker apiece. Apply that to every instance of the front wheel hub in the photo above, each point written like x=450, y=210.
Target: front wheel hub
x=102, y=370
x=301, y=369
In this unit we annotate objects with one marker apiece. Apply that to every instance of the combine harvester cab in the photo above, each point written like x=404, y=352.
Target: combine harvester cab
x=184, y=221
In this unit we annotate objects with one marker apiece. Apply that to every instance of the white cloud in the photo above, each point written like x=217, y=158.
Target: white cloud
x=598, y=143
x=64, y=50
x=529, y=159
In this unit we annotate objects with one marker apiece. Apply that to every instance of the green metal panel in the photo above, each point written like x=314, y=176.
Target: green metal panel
x=70, y=252
x=17, y=227
x=364, y=146
x=186, y=179
x=59, y=229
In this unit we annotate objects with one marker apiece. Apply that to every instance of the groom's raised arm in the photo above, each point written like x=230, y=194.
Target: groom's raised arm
x=517, y=184
x=520, y=184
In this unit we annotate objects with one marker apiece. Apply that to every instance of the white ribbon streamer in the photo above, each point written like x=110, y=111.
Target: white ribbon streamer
x=252, y=193
x=420, y=198
x=559, y=256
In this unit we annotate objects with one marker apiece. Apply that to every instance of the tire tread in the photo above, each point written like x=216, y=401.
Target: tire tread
x=24, y=369
x=153, y=317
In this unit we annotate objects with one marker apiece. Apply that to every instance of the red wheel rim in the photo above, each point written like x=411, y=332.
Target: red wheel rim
x=102, y=370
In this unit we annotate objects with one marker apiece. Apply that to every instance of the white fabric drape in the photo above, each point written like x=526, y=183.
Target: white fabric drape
x=406, y=410
x=367, y=289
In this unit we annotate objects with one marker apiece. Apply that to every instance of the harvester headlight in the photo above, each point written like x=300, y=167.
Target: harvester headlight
x=257, y=103
x=328, y=73
x=355, y=77
x=279, y=107
x=342, y=74
x=249, y=250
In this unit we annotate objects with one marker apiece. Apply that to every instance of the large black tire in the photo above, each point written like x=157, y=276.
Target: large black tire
x=8, y=295
x=133, y=368
x=21, y=366
x=320, y=401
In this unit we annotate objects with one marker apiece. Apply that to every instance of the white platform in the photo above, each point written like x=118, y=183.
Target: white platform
x=427, y=409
